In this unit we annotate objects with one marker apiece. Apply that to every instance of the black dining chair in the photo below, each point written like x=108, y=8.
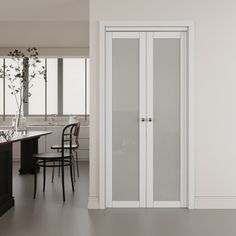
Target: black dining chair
x=57, y=159
x=74, y=147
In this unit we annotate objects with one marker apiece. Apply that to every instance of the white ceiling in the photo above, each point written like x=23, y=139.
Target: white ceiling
x=44, y=10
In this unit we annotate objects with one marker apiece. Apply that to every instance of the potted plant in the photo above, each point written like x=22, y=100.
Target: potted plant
x=25, y=67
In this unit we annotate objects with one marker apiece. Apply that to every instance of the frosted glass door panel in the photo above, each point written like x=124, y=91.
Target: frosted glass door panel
x=166, y=122
x=125, y=117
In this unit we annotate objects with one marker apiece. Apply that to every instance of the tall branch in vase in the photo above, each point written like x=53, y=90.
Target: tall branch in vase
x=20, y=73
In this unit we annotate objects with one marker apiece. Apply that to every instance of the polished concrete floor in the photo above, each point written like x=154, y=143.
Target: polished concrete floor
x=48, y=216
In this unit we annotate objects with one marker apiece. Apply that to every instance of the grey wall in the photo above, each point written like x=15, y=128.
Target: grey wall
x=44, y=34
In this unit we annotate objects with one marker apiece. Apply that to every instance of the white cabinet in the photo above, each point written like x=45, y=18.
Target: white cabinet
x=42, y=139
x=54, y=138
x=84, y=143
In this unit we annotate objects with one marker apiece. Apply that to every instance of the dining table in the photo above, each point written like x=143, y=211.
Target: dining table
x=29, y=146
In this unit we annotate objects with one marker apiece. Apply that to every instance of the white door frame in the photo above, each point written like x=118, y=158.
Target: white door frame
x=148, y=26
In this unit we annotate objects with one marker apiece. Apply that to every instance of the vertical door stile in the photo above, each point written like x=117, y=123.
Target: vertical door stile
x=149, y=105
x=183, y=114
x=142, y=125
x=108, y=119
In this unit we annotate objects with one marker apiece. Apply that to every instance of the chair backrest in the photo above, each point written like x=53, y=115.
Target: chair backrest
x=67, y=138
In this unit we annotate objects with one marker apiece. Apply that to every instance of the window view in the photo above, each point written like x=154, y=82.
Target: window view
x=73, y=86
x=52, y=86
x=1, y=90
x=10, y=101
x=64, y=92
x=36, y=102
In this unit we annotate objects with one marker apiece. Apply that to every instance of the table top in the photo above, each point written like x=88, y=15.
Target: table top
x=18, y=136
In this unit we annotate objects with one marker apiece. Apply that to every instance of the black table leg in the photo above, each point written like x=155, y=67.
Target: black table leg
x=29, y=147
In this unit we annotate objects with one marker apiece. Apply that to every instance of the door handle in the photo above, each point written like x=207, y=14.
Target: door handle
x=143, y=119
x=150, y=119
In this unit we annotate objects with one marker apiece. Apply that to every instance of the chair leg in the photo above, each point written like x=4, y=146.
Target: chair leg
x=62, y=179
x=53, y=171
x=35, y=179
x=44, y=175
x=73, y=164
x=71, y=174
x=59, y=168
x=77, y=163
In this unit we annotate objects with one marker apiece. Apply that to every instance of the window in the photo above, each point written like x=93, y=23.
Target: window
x=10, y=101
x=36, y=102
x=1, y=91
x=44, y=95
x=73, y=86
x=52, y=86
x=65, y=91
x=87, y=107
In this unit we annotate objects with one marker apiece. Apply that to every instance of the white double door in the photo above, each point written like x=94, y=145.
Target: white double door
x=145, y=119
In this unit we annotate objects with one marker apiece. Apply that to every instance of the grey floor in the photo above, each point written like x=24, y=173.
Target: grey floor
x=48, y=216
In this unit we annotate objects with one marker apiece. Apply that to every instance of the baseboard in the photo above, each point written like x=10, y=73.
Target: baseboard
x=93, y=202
x=215, y=202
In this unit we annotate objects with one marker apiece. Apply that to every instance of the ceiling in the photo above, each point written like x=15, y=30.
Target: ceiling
x=44, y=10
